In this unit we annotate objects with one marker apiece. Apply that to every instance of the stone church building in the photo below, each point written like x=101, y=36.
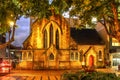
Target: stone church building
x=53, y=44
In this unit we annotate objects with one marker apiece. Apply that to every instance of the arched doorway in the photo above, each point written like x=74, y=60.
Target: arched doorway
x=91, y=61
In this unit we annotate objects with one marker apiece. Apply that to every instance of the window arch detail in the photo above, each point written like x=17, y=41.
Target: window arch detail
x=45, y=39
x=76, y=56
x=51, y=34
x=29, y=55
x=51, y=57
x=72, y=56
x=100, y=55
x=57, y=39
x=24, y=55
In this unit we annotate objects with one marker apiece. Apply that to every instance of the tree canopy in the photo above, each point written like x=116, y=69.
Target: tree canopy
x=9, y=11
x=107, y=12
x=12, y=10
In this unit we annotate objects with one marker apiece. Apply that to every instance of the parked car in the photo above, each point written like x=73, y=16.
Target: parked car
x=5, y=65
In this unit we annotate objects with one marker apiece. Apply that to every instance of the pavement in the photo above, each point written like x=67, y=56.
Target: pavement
x=46, y=74
x=33, y=75
x=106, y=70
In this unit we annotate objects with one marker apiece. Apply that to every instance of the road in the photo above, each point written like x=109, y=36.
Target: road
x=33, y=75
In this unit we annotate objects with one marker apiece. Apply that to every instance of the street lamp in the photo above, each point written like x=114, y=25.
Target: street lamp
x=11, y=23
x=94, y=20
x=83, y=64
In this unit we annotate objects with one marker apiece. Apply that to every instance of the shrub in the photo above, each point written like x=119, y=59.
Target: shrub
x=82, y=75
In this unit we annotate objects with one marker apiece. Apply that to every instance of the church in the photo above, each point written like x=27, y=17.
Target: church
x=54, y=44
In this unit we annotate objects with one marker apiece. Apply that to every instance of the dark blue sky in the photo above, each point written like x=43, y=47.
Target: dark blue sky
x=22, y=31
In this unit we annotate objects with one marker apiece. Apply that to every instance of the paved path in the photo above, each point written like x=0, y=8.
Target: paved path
x=30, y=78
x=33, y=75
x=43, y=74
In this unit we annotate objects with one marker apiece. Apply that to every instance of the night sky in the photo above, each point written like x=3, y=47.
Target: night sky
x=22, y=31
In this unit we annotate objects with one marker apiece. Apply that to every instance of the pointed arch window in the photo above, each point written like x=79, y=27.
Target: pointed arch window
x=45, y=39
x=29, y=56
x=76, y=56
x=24, y=55
x=72, y=56
x=100, y=55
x=57, y=39
x=51, y=34
x=51, y=57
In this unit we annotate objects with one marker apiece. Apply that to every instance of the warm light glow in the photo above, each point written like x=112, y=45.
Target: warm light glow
x=115, y=42
x=11, y=23
x=94, y=20
x=83, y=63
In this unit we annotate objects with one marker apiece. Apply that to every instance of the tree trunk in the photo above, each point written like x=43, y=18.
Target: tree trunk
x=10, y=40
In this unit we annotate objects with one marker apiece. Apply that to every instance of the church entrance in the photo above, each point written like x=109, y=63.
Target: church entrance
x=91, y=61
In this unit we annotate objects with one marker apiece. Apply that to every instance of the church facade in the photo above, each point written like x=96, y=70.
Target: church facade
x=53, y=44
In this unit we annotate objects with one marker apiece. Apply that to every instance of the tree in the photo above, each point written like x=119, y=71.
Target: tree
x=107, y=13
x=12, y=10
x=9, y=11
x=43, y=8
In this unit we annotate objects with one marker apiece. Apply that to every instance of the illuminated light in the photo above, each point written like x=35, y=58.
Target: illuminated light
x=83, y=63
x=2, y=64
x=5, y=68
x=11, y=23
x=11, y=15
x=115, y=42
x=94, y=20
x=12, y=52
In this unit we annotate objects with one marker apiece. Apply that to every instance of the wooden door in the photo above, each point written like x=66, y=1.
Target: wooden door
x=91, y=61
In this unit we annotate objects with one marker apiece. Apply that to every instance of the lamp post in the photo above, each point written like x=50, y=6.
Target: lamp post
x=11, y=23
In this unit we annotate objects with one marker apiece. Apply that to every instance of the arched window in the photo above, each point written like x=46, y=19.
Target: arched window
x=76, y=56
x=30, y=56
x=72, y=56
x=45, y=39
x=57, y=39
x=24, y=55
x=51, y=57
x=100, y=55
x=51, y=34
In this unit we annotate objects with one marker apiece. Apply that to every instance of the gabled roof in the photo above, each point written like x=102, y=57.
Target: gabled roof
x=86, y=36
